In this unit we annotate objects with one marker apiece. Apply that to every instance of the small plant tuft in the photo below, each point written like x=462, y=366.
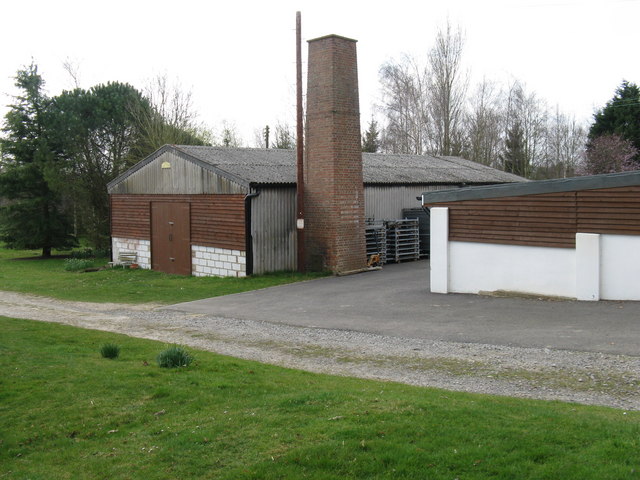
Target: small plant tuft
x=77, y=264
x=109, y=350
x=174, y=357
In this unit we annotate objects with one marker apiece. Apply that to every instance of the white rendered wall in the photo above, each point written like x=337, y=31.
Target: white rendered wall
x=600, y=267
x=620, y=267
x=587, y=254
x=439, y=248
x=478, y=267
x=219, y=262
x=141, y=247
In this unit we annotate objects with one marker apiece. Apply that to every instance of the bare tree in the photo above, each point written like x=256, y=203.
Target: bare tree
x=230, y=136
x=404, y=106
x=260, y=137
x=172, y=118
x=565, y=146
x=172, y=102
x=529, y=113
x=426, y=110
x=284, y=137
x=483, y=125
x=447, y=89
x=73, y=69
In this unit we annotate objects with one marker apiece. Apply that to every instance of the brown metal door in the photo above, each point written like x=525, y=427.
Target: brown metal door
x=170, y=238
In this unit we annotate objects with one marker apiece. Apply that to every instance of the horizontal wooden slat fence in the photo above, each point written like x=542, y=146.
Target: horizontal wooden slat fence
x=548, y=220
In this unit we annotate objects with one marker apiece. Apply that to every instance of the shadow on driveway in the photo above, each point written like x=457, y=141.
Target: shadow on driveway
x=396, y=301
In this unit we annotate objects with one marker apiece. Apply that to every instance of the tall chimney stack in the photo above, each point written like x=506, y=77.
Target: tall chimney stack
x=334, y=191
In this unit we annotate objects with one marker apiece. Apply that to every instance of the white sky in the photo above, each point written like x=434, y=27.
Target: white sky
x=238, y=57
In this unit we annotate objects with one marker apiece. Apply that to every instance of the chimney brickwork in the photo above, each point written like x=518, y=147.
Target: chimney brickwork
x=334, y=191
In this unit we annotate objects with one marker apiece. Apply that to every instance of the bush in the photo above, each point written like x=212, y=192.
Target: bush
x=75, y=264
x=109, y=350
x=91, y=253
x=84, y=253
x=174, y=357
x=102, y=253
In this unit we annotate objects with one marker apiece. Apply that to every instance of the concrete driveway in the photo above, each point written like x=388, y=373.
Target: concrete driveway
x=396, y=301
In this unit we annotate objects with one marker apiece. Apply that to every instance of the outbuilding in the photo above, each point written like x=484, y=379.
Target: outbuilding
x=576, y=238
x=231, y=211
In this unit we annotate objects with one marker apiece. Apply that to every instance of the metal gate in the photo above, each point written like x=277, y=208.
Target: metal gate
x=170, y=238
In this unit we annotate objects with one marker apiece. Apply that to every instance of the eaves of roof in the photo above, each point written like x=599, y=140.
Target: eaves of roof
x=573, y=184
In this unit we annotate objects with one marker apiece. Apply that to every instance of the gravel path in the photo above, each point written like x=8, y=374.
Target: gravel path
x=542, y=373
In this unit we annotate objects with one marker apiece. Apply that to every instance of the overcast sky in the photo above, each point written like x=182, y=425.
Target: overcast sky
x=238, y=57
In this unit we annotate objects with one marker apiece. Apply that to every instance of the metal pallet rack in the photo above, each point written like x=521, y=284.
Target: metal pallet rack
x=376, y=240
x=403, y=240
x=424, y=227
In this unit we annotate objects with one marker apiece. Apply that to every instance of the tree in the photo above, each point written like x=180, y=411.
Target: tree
x=565, y=146
x=514, y=157
x=284, y=137
x=33, y=215
x=484, y=125
x=261, y=137
x=171, y=118
x=609, y=153
x=370, y=139
x=100, y=138
x=166, y=117
x=527, y=115
x=448, y=86
x=621, y=115
x=424, y=107
x=230, y=136
x=404, y=93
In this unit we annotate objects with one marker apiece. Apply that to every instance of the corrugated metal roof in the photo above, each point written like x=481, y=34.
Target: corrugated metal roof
x=593, y=182
x=254, y=165
x=400, y=168
x=272, y=166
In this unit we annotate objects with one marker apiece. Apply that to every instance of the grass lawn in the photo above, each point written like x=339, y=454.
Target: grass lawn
x=49, y=278
x=65, y=412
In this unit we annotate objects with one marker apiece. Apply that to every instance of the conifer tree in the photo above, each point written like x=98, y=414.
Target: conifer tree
x=32, y=216
x=514, y=157
x=370, y=140
x=621, y=115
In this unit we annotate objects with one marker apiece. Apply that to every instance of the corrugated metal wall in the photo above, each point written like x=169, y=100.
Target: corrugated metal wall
x=273, y=220
x=386, y=202
x=273, y=228
x=183, y=177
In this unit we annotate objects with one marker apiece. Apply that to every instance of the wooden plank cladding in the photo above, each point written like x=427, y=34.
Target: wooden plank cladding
x=547, y=220
x=216, y=220
x=612, y=210
x=542, y=220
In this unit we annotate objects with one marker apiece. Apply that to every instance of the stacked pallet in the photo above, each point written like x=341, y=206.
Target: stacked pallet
x=403, y=240
x=424, y=227
x=376, y=241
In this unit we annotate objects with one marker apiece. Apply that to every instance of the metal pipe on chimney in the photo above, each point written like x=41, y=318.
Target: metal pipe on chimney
x=300, y=149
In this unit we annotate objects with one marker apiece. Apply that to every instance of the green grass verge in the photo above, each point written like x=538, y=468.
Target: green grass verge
x=65, y=412
x=49, y=278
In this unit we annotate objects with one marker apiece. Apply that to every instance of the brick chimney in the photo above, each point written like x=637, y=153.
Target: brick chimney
x=334, y=191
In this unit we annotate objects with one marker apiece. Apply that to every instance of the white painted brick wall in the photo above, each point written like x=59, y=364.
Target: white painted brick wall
x=206, y=261
x=141, y=247
x=220, y=262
